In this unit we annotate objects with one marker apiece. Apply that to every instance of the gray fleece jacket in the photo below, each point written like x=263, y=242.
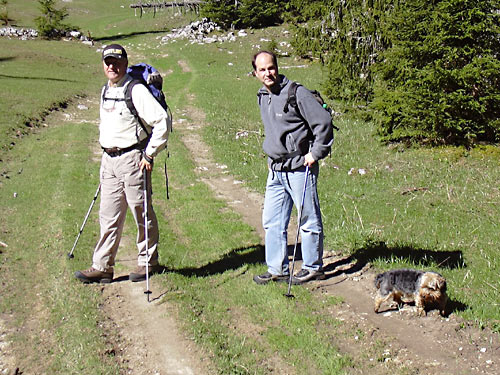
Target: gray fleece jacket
x=287, y=135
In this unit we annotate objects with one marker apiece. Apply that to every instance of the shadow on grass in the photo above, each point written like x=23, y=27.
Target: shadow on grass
x=233, y=260
x=37, y=78
x=380, y=251
x=125, y=36
x=454, y=306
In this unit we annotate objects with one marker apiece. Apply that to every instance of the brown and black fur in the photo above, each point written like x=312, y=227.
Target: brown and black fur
x=427, y=289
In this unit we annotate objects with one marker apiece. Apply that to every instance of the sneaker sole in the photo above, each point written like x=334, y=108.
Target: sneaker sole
x=280, y=279
x=90, y=281
x=137, y=279
x=313, y=278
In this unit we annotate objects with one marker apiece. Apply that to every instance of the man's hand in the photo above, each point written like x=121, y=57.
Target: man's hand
x=309, y=160
x=145, y=164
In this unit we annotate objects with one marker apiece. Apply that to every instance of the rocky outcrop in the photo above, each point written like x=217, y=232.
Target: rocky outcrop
x=203, y=31
x=23, y=34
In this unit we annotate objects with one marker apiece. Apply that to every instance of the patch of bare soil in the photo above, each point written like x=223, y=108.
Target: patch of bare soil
x=7, y=359
x=145, y=335
x=423, y=345
x=184, y=66
x=392, y=340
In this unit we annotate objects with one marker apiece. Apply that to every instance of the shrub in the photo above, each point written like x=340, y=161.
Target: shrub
x=222, y=12
x=429, y=70
x=347, y=37
x=244, y=13
x=4, y=14
x=50, y=24
x=439, y=81
x=258, y=13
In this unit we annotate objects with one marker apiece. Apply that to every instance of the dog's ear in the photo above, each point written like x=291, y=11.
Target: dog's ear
x=441, y=283
x=436, y=282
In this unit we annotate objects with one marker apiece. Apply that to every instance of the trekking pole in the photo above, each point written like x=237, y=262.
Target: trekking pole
x=70, y=254
x=297, y=236
x=146, y=229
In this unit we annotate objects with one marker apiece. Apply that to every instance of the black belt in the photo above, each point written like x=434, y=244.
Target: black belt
x=117, y=151
x=289, y=156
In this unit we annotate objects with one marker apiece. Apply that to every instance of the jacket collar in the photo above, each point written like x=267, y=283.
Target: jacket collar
x=283, y=81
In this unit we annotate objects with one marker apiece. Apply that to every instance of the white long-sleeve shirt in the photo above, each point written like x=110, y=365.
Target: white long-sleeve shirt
x=118, y=126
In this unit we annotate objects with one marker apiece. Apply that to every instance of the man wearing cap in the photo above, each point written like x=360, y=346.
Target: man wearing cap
x=129, y=145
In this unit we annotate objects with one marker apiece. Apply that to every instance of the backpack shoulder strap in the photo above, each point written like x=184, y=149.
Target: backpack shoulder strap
x=292, y=96
x=103, y=92
x=128, y=97
x=130, y=103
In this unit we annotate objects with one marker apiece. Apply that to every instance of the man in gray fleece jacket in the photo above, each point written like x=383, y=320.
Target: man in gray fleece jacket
x=296, y=137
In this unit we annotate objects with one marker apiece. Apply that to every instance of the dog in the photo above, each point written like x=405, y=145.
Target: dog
x=426, y=289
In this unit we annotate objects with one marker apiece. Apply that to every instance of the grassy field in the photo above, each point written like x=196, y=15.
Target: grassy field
x=105, y=20
x=425, y=208
x=31, y=87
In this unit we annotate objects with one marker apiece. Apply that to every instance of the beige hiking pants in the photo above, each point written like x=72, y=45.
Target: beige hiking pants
x=122, y=186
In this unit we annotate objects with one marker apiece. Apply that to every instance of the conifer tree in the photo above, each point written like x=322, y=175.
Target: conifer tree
x=4, y=14
x=439, y=82
x=50, y=23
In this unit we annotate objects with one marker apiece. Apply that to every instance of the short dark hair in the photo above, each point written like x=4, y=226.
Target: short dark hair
x=272, y=54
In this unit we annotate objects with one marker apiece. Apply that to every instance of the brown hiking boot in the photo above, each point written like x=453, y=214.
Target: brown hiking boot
x=139, y=273
x=94, y=276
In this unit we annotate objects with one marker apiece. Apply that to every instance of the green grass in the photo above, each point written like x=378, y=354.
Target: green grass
x=211, y=257
x=40, y=75
x=209, y=251
x=53, y=314
x=105, y=20
x=415, y=207
x=426, y=208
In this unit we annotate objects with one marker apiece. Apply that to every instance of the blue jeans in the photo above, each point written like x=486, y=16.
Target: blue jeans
x=283, y=190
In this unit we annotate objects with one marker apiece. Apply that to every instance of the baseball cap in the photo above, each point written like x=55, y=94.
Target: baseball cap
x=114, y=50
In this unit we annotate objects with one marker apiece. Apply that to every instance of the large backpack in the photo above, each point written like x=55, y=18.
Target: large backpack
x=148, y=76
x=292, y=101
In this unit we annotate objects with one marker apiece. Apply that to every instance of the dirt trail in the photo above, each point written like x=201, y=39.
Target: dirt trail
x=247, y=203
x=145, y=335
x=422, y=345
